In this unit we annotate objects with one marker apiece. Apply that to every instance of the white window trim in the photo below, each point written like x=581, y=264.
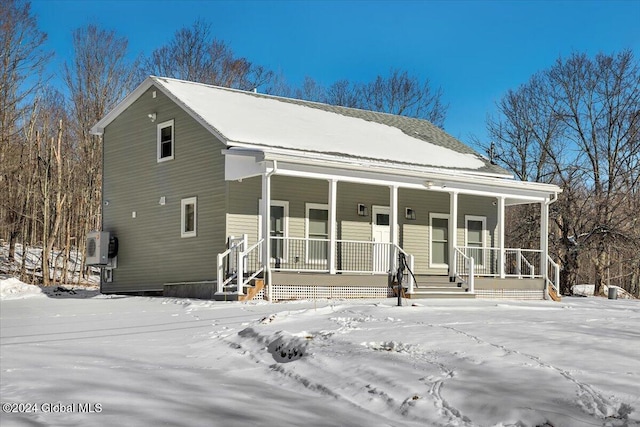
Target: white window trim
x=285, y=246
x=483, y=219
x=307, y=207
x=183, y=203
x=435, y=215
x=173, y=140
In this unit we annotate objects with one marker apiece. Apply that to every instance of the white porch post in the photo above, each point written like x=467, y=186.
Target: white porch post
x=393, y=225
x=544, y=237
x=501, y=219
x=266, y=228
x=453, y=234
x=331, y=253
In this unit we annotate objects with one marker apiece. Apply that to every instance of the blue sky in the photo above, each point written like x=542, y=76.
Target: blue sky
x=474, y=50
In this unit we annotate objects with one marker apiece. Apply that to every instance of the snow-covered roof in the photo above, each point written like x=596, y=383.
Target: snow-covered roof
x=255, y=120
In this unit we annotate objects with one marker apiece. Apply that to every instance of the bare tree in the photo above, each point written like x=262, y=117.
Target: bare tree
x=193, y=54
x=399, y=93
x=576, y=124
x=98, y=78
x=21, y=77
x=345, y=94
x=406, y=95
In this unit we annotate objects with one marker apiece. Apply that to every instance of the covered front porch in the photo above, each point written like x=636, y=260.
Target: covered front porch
x=448, y=228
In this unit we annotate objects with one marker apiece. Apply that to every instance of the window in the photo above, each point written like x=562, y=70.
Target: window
x=279, y=227
x=475, y=237
x=317, y=232
x=165, y=141
x=439, y=243
x=188, y=217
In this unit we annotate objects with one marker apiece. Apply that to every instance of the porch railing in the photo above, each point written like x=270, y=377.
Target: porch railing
x=553, y=280
x=229, y=260
x=466, y=269
x=312, y=255
x=250, y=264
x=239, y=264
x=517, y=262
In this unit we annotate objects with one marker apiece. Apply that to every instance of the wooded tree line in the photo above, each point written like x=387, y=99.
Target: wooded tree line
x=575, y=125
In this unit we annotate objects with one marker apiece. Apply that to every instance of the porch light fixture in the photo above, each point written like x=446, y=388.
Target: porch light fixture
x=409, y=213
x=362, y=210
x=162, y=201
x=152, y=116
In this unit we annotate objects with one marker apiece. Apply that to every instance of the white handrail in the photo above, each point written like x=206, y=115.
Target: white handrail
x=556, y=269
x=243, y=256
x=471, y=273
x=234, y=247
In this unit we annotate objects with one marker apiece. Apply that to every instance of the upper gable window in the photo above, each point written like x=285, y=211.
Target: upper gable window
x=165, y=140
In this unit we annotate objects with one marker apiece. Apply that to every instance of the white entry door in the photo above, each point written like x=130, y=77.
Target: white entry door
x=381, y=236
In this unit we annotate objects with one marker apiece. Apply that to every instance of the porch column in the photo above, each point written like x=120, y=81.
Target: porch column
x=501, y=219
x=544, y=237
x=453, y=234
x=266, y=227
x=393, y=226
x=331, y=253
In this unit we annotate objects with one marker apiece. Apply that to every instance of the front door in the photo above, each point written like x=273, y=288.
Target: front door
x=381, y=237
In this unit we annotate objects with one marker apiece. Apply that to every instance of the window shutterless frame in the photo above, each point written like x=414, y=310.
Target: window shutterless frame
x=165, y=140
x=188, y=217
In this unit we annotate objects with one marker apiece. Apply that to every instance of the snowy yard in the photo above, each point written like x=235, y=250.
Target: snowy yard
x=92, y=360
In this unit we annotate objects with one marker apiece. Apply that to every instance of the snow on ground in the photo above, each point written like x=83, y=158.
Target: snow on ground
x=588, y=290
x=106, y=360
x=32, y=258
x=12, y=288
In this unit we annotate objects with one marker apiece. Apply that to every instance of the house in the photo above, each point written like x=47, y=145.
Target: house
x=230, y=194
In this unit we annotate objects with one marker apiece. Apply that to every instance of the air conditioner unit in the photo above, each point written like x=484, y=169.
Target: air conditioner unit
x=97, y=248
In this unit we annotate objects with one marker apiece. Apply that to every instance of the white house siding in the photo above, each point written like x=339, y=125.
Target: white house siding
x=151, y=250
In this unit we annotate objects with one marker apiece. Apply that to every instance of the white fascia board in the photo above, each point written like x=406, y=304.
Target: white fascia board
x=331, y=160
x=439, y=178
x=379, y=178
x=243, y=163
x=208, y=126
x=98, y=128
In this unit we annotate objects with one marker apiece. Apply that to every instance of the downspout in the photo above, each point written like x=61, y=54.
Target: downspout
x=267, y=232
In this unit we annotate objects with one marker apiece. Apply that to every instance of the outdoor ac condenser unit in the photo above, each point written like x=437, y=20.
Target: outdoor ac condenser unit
x=98, y=248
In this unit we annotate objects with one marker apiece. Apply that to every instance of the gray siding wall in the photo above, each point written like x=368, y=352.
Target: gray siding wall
x=151, y=250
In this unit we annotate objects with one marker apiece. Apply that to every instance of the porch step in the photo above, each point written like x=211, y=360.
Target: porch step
x=453, y=289
x=553, y=295
x=440, y=294
x=230, y=294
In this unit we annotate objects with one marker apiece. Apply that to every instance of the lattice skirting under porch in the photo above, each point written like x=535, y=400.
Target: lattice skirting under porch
x=510, y=294
x=281, y=293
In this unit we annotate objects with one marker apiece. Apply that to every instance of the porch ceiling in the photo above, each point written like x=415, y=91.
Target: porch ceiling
x=246, y=163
